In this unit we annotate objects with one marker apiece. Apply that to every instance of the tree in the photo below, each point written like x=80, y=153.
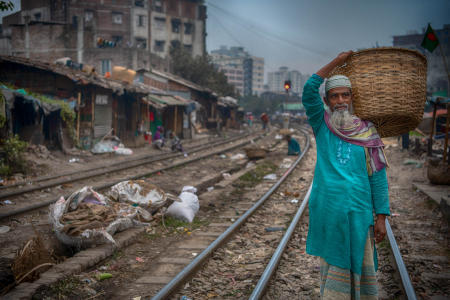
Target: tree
x=6, y=5
x=201, y=71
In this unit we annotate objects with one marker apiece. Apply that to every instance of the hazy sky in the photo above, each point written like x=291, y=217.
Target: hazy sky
x=306, y=34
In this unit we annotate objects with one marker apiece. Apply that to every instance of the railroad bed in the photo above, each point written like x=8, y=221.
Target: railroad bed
x=150, y=267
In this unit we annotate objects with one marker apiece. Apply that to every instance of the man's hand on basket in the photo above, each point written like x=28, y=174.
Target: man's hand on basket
x=339, y=60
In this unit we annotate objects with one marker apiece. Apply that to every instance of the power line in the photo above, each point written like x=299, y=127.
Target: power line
x=264, y=33
x=226, y=29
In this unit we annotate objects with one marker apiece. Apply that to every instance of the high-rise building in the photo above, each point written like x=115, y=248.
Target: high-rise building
x=244, y=71
x=132, y=33
x=276, y=80
x=437, y=78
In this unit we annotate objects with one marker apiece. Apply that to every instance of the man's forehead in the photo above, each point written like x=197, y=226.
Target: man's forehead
x=341, y=89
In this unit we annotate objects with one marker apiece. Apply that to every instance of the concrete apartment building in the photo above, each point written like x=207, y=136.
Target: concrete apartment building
x=437, y=79
x=244, y=71
x=276, y=80
x=136, y=34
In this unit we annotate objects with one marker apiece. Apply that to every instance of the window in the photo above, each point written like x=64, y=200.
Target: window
x=139, y=3
x=188, y=28
x=117, y=18
x=117, y=39
x=37, y=16
x=157, y=6
x=176, y=25
x=141, y=43
x=188, y=48
x=88, y=16
x=175, y=44
x=160, y=23
x=159, y=46
x=140, y=21
x=106, y=66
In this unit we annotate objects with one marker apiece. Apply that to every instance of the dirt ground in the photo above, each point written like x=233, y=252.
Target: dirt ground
x=405, y=168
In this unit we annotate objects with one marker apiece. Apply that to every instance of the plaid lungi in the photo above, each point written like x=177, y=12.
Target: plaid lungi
x=340, y=284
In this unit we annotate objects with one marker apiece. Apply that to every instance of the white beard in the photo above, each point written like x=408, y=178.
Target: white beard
x=342, y=118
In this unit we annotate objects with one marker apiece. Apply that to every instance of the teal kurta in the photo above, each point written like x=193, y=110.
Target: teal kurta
x=343, y=196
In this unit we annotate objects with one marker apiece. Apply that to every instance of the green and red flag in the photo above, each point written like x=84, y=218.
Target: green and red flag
x=430, y=40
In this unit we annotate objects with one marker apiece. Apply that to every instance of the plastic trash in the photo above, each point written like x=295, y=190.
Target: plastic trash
x=270, y=177
x=8, y=202
x=72, y=160
x=209, y=189
x=286, y=164
x=187, y=208
x=238, y=156
x=226, y=175
x=88, y=218
x=103, y=276
x=139, y=192
x=4, y=229
x=222, y=156
x=272, y=229
x=123, y=151
x=294, y=201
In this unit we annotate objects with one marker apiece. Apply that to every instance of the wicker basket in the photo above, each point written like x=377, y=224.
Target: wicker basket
x=388, y=86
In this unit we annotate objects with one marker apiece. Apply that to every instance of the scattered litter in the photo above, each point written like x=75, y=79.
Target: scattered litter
x=188, y=207
x=88, y=217
x=106, y=145
x=286, y=164
x=72, y=160
x=86, y=280
x=226, y=175
x=139, y=259
x=138, y=192
x=8, y=202
x=103, y=268
x=232, y=220
x=185, y=298
x=272, y=229
x=237, y=156
x=294, y=201
x=103, y=276
x=278, y=137
x=194, y=254
x=417, y=163
x=137, y=298
x=123, y=151
x=395, y=215
x=249, y=165
x=209, y=189
x=222, y=156
x=4, y=229
x=270, y=177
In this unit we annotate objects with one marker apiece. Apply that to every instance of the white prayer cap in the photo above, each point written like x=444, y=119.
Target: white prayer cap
x=337, y=81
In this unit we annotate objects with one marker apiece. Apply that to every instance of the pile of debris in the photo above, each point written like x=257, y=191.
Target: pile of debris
x=87, y=217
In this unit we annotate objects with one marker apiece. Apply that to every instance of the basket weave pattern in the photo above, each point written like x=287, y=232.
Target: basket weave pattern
x=388, y=87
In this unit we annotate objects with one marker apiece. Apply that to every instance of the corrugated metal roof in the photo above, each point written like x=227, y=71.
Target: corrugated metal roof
x=118, y=87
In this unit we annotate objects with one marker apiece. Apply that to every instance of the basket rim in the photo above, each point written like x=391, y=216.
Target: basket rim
x=382, y=49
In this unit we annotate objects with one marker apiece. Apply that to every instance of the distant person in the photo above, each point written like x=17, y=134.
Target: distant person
x=349, y=187
x=158, y=138
x=265, y=121
x=176, y=144
x=293, y=145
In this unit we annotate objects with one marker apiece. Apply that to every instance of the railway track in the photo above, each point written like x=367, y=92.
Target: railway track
x=48, y=191
x=258, y=261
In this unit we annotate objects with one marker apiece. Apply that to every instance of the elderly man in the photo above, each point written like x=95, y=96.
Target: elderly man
x=350, y=186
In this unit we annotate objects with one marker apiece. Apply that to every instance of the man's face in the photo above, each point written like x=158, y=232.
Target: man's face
x=339, y=98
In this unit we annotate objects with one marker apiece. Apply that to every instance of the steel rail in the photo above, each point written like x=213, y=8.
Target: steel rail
x=34, y=206
x=81, y=175
x=406, y=281
x=141, y=157
x=261, y=286
x=170, y=287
